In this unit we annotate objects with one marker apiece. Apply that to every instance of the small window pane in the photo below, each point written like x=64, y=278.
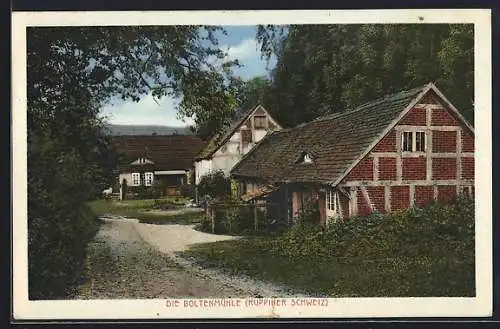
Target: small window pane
x=148, y=178
x=136, y=179
x=407, y=141
x=330, y=200
x=420, y=141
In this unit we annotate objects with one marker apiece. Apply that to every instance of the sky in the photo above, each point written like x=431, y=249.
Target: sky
x=240, y=43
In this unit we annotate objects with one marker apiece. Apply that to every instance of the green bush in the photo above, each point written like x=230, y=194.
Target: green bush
x=56, y=258
x=144, y=192
x=228, y=220
x=59, y=222
x=432, y=231
x=234, y=220
x=164, y=204
x=415, y=252
x=309, y=216
x=215, y=185
x=204, y=226
x=158, y=189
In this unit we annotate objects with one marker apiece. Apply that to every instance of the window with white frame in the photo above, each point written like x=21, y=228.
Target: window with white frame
x=420, y=141
x=332, y=201
x=148, y=178
x=413, y=141
x=136, y=179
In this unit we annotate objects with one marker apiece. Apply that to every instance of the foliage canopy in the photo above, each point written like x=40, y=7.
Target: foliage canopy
x=322, y=69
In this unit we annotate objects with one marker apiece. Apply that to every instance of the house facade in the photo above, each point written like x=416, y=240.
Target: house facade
x=405, y=149
x=167, y=161
x=225, y=149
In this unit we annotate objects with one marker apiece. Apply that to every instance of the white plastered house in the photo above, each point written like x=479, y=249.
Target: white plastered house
x=227, y=147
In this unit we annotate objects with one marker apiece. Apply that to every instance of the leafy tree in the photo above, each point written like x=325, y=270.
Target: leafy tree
x=254, y=92
x=271, y=39
x=324, y=69
x=72, y=72
x=456, y=58
x=244, y=94
x=178, y=61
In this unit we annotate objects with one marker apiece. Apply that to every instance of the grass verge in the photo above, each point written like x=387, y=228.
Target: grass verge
x=143, y=210
x=340, y=277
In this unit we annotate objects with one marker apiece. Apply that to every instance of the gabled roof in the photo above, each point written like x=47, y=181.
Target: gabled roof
x=222, y=137
x=174, y=152
x=338, y=141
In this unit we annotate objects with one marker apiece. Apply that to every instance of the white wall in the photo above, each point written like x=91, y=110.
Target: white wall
x=233, y=148
x=127, y=176
x=259, y=134
x=247, y=148
x=233, y=151
x=202, y=168
x=236, y=137
x=225, y=162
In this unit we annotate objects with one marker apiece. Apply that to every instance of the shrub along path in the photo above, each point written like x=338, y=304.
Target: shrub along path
x=129, y=259
x=415, y=253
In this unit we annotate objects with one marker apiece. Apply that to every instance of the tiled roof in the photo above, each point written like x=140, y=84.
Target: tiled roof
x=174, y=152
x=335, y=141
x=240, y=115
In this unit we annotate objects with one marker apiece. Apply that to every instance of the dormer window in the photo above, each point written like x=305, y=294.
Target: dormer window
x=140, y=161
x=307, y=158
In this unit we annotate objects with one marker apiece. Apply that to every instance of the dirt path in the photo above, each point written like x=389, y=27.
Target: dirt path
x=129, y=259
x=175, y=237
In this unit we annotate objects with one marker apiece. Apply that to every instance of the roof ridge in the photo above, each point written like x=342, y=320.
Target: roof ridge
x=365, y=104
x=356, y=109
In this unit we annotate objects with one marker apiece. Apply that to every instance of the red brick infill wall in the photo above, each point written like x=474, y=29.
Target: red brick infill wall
x=388, y=179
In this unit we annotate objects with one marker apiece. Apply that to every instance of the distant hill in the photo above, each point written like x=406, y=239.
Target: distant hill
x=118, y=130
